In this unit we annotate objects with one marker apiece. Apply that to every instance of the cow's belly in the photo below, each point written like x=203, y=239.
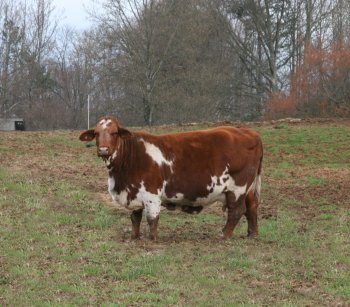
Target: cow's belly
x=181, y=203
x=179, y=200
x=216, y=191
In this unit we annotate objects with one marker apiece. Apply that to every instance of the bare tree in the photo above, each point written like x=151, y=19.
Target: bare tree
x=11, y=48
x=135, y=25
x=165, y=61
x=260, y=33
x=25, y=45
x=42, y=29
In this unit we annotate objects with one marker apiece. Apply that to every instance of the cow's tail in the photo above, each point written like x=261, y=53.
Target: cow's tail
x=257, y=182
x=255, y=187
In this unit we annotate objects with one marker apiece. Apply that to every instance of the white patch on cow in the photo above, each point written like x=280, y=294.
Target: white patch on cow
x=252, y=187
x=104, y=123
x=114, y=155
x=256, y=187
x=111, y=185
x=178, y=198
x=144, y=199
x=134, y=205
x=218, y=187
x=155, y=153
x=210, y=199
x=152, y=202
x=239, y=191
x=122, y=197
x=109, y=161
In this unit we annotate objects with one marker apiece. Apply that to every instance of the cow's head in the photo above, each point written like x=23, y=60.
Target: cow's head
x=108, y=134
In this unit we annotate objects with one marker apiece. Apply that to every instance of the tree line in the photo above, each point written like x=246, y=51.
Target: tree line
x=174, y=61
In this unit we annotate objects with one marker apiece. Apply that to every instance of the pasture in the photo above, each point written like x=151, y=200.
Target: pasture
x=63, y=242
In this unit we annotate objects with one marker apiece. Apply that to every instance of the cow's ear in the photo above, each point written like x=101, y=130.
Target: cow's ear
x=87, y=136
x=124, y=133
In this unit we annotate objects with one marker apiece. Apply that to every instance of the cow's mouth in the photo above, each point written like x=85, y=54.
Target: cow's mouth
x=105, y=157
x=108, y=158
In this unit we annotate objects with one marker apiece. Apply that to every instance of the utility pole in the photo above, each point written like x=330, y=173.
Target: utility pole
x=88, y=119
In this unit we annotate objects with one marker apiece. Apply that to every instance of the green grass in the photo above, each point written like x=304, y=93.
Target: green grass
x=61, y=245
x=306, y=146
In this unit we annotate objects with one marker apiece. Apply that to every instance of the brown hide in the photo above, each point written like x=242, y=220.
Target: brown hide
x=193, y=166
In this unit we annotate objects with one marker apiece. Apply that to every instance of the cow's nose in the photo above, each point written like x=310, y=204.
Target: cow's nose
x=103, y=151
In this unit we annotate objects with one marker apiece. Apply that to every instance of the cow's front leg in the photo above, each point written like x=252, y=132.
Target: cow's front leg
x=136, y=217
x=152, y=213
x=235, y=210
x=153, y=228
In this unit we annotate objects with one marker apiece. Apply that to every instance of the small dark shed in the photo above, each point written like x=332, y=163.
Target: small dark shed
x=10, y=124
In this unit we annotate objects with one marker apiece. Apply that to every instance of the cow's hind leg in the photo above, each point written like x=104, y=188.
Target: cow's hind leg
x=235, y=210
x=251, y=214
x=136, y=217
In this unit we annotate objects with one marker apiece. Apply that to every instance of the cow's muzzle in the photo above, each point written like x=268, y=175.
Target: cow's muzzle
x=103, y=152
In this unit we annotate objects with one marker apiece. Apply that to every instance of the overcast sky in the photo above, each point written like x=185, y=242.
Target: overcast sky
x=73, y=13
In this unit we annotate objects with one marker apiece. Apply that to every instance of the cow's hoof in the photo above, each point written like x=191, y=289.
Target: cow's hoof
x=224, y=237
x=135, y=238
x=252, y=235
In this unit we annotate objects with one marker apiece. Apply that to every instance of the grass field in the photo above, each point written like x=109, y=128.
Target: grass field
x=62, y=243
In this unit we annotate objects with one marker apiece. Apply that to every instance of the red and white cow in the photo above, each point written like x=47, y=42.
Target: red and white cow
x=188, y=170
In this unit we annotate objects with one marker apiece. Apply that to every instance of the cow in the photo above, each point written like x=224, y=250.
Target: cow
x=187, y=170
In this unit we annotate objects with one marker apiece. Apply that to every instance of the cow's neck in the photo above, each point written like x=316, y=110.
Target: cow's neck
x=119, y=167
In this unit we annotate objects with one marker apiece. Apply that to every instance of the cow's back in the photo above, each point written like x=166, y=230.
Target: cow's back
x=210, y=148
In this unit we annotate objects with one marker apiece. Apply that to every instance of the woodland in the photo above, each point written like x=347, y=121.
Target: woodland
x=156, y=62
